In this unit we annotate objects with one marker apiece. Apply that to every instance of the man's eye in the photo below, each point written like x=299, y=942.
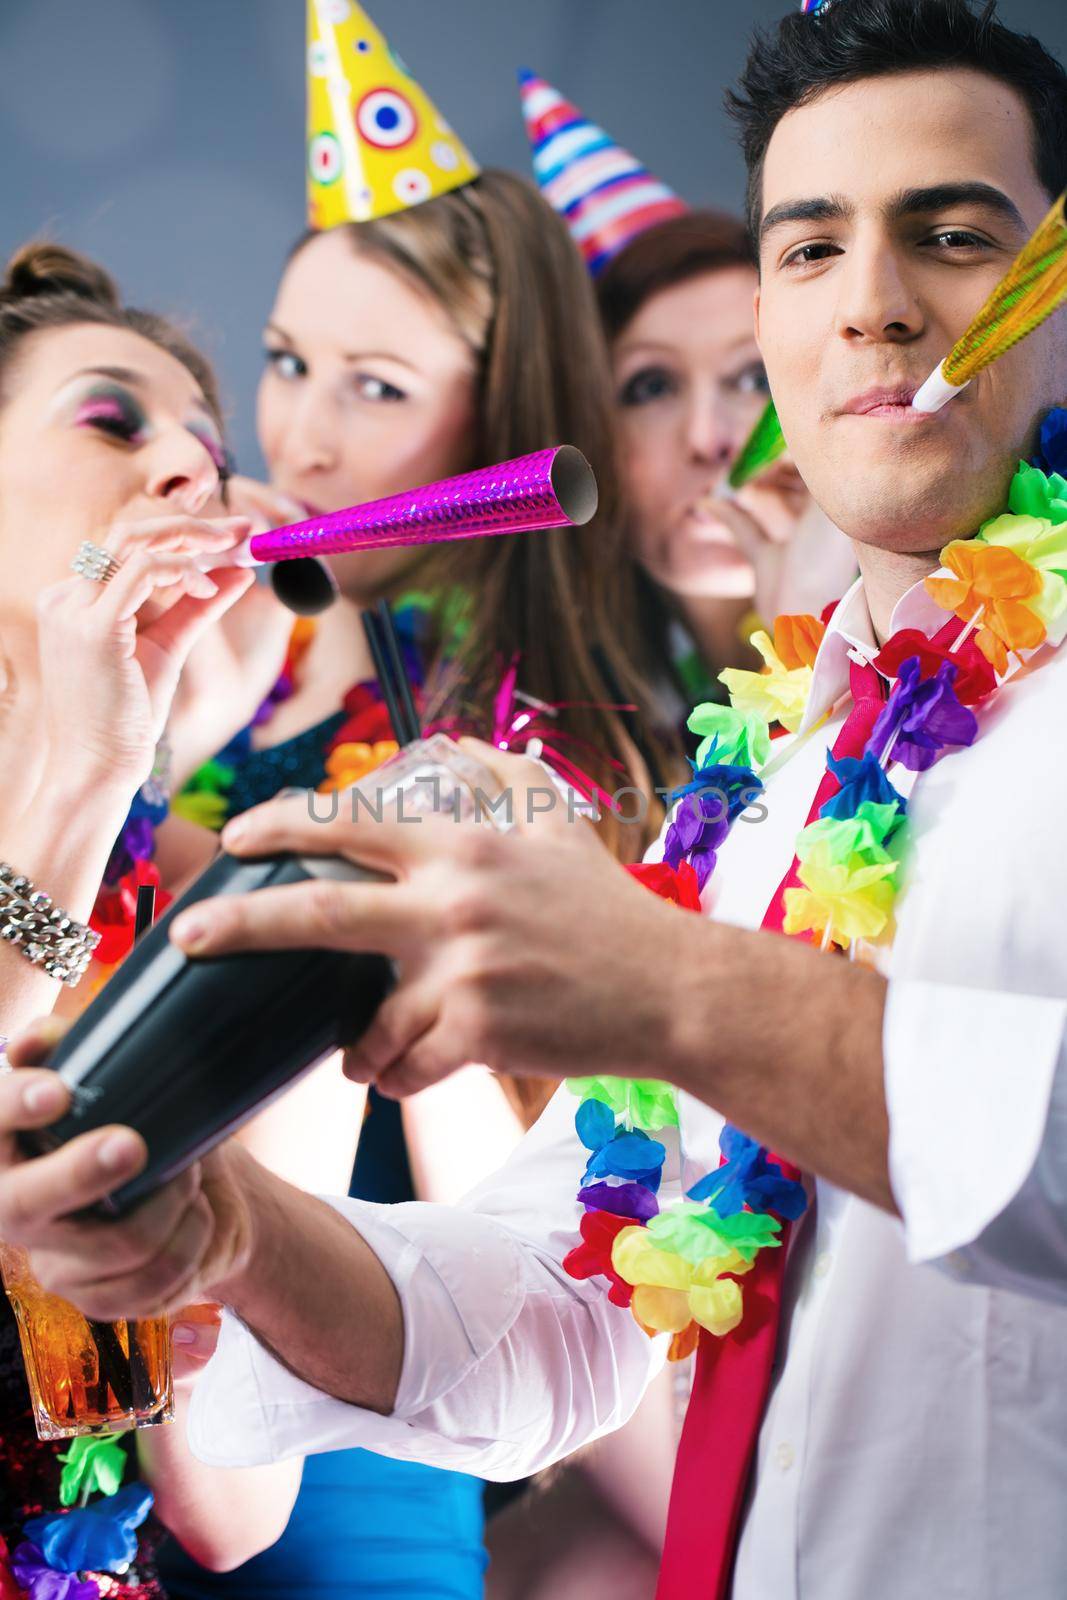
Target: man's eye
x=286, y=364
x=808, y=254
x=959, y=239
x=651, y=383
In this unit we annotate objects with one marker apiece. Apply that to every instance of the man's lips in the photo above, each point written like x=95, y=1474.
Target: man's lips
x=893, y=403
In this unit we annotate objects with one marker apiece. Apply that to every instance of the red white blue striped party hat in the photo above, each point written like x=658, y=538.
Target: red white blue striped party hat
x=605, y=195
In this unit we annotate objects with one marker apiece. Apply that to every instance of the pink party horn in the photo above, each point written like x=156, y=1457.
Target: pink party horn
x=549, y=489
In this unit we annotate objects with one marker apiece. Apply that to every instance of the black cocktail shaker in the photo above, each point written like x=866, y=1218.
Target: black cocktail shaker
x=185, y=1051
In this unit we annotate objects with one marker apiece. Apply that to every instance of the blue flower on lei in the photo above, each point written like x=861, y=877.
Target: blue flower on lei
x=748, y=1177
x=1051, y=454
x=618, y=1152
x=861, y=778
x=96, y=1538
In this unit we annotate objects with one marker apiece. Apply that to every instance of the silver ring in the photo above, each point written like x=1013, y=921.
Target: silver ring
x=95, y=563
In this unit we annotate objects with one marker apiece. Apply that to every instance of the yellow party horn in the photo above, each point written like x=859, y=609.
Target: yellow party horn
x=764, y=444
x=1034, y=286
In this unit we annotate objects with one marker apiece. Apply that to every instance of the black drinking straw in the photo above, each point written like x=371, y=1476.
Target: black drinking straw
x=391, y=679
x=114, y=1373
x=387, y=625
x=145, y=914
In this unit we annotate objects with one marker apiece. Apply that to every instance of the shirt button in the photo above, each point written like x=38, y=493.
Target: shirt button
x=958, y=1264
x=784, y=1456
x=823, y=1264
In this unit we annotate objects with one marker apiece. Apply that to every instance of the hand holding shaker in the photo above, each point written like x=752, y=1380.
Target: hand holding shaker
x=185, y=1051
x=87, y=1377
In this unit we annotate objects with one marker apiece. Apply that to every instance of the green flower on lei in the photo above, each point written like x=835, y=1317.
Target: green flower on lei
x=645, y=1103
x=731, y=738
x=1032, y=494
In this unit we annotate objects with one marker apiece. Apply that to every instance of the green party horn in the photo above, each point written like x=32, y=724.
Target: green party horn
x=764, y=444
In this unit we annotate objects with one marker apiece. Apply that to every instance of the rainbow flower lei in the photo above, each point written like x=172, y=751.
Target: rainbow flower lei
x=678, y=1268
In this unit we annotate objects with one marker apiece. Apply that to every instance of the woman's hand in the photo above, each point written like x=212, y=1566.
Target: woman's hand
x=235, y=665
x=112, y=653
x=264, y=506
x=194, y=1335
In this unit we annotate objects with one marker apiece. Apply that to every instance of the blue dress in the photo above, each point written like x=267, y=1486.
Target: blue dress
x=364, y=1526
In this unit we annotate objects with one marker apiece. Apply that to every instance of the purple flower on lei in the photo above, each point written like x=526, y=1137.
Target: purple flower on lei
x=42, y=1582
x=710, y=803
x=282, y=691
x=921, y=717
x=621, y=1199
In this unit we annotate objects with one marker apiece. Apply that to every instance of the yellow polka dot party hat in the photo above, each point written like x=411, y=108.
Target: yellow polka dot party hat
x=376, y=141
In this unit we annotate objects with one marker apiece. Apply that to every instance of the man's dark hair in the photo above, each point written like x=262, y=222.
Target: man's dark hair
x=853, y=39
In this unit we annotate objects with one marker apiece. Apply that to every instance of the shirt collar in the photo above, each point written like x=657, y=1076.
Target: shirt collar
x=849, y=630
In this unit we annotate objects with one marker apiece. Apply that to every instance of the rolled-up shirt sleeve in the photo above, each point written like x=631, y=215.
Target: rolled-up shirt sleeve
x=509, y=1363
x=976, y=1088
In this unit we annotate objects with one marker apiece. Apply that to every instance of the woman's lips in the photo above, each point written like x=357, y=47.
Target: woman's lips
x=705, y=516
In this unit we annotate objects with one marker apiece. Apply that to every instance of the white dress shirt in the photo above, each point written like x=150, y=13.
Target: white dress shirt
x=915, y=1442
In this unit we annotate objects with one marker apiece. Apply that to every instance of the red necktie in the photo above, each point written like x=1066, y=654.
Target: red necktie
x=733, y=1375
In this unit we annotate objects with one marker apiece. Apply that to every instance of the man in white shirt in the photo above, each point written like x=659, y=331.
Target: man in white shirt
x=915, y=1440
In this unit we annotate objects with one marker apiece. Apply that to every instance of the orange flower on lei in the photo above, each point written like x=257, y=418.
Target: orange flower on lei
x=346, y=764
x=797, y=640
x=991, y=584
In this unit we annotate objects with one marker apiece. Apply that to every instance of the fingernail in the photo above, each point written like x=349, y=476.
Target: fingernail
x=190, y=931
x=43, y=1095
x=183, y=1333
x=118, y=1150
x=359, y=1067
x=234, y=832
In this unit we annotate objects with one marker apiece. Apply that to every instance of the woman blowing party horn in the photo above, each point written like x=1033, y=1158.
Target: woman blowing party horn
x=112, y=462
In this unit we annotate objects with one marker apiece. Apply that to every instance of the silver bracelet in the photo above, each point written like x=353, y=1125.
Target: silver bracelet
x=41, y=931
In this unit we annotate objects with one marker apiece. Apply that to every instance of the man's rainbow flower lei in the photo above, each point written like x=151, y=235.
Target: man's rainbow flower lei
x=678, y=1268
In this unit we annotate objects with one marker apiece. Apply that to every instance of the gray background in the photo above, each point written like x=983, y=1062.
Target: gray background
x=167, y=136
